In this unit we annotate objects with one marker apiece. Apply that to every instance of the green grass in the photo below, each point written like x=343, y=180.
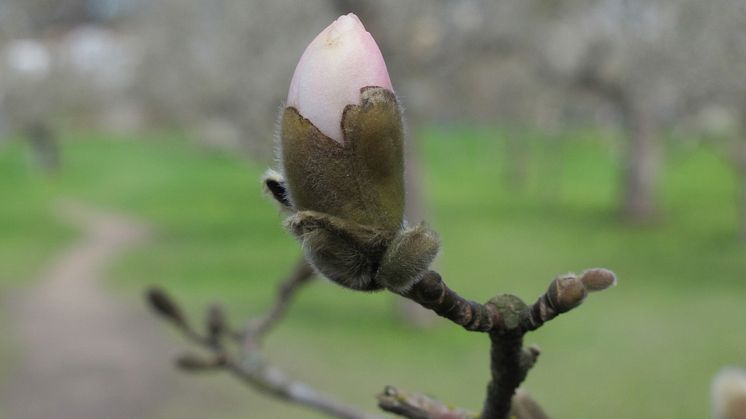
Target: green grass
x=645, y=349
x=29, y=233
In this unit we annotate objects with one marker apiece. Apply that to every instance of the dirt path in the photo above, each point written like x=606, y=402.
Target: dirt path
x=84, y=353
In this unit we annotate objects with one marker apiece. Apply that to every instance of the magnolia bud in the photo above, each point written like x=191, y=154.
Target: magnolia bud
x=339, y=62
x=341, y=139
x=729, y=394
x=342, y=163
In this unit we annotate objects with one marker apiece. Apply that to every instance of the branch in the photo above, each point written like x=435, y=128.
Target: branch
x=258, y=374
x=507, y=313
x=506, y=318
x=244, y=359
x=419, y=406
x=301, y=275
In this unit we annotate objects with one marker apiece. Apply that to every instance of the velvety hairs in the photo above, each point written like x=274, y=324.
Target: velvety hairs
x=347, y=199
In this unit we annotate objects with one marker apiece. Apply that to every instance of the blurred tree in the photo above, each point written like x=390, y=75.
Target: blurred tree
x=624, y=52
x=25, y=80
x=44, y=145
x=742, y=166
x=713, y=51
x=39, y=16
x=720, y=49
x=220, y=69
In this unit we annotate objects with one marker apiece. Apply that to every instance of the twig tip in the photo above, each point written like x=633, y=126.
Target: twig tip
x=164, y=305
x=598, y=279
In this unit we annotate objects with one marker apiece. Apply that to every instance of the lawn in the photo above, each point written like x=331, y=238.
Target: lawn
x=647, y=348
x=29, y=234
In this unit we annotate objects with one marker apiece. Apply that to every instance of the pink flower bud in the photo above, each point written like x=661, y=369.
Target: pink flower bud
x=339, y=62
x=341, y=142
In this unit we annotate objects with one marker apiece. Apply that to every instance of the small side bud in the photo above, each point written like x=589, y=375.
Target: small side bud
x=529, y=355
x=524, y=406
x=407, y=258
x=165, y=306
x=598, y=279
x=217, y=324
x=729, y=394
x=567, y=292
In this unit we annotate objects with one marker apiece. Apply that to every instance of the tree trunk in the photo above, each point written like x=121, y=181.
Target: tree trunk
x=638, y=203
x=742, y=185
x=516, y=163
x=640, y=167
x=44, y=147
x=741, y=166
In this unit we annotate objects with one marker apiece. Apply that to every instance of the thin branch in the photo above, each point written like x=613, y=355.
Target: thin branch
x=419, y=406
x=301, y=275
x=506, y=318
x=258, y=374
x=500, y=314
x=432, y=293
x=508, y=372
x=253, y=370
x=245, y=360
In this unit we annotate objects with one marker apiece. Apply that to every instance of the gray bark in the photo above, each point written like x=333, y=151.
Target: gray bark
x=43, y=142
x=640, y=167
x=741, y=166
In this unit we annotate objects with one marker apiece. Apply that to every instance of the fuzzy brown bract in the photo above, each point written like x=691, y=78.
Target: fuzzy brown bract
x=347, y=199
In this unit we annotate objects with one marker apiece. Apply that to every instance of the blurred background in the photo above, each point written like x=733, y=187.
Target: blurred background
x=544, y=136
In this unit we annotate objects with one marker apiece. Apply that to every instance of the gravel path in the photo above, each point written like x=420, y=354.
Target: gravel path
x=84, y=353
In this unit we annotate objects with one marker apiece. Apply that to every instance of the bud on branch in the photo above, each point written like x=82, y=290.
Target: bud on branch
x=342, y=166
x=341, y=181
x=162, y=304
